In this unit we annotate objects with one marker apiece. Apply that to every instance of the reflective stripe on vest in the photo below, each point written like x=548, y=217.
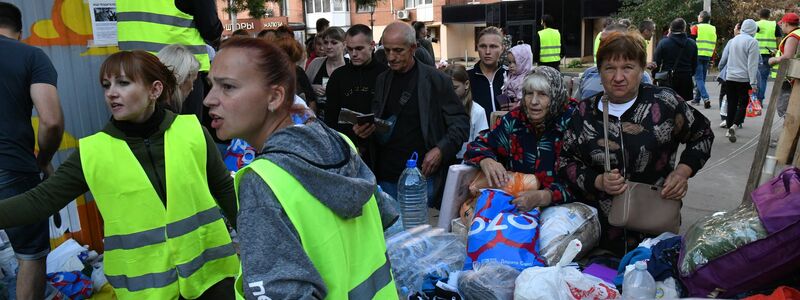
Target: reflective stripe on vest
x=152, y=25
x=796, y=34
x=706, y=39
x=766, y=36
x=350, y=254
x=153, y=252
x=549, y=45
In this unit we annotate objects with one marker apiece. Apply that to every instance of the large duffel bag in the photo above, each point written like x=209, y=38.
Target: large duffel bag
x=761, y=263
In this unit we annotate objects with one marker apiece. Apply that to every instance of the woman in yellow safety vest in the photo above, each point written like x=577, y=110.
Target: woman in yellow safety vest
x=154, y=176
x=310, y=225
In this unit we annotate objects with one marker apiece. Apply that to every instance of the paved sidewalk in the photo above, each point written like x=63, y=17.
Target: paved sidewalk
x=720, y=185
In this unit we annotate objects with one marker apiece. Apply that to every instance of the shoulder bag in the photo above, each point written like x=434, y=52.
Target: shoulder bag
x=640, y=207
x=664, y=78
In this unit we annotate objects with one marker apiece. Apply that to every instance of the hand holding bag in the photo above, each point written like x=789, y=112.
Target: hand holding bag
x=640, y=207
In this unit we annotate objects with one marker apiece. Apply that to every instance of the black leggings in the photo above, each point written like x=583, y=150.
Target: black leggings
x=737, y=102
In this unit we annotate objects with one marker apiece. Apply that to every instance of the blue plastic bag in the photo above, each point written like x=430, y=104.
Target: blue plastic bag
x=501, y=233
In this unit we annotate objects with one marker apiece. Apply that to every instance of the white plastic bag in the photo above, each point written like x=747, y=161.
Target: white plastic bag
x=563, y=281
x=564, y=223
x=65, y=257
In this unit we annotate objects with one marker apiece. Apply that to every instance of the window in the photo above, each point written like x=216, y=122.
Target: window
x=415, y=3
x=339, y=5
x=365, y=9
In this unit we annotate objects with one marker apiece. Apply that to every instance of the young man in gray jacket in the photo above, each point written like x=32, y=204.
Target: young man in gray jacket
x=741, y=58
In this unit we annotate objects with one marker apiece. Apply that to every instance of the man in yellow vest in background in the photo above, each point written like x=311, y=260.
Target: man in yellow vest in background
x=706, y=36
x=768, y=35
x=606, y=23
x=550, y=47
x=151, y=25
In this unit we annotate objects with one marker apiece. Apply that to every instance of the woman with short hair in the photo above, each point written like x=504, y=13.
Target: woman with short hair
x=185, y=67
x=646, y=126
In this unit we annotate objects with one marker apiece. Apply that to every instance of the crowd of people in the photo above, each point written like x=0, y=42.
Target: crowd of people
x=311, y=208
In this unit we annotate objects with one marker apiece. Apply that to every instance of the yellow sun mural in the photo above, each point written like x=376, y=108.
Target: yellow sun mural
x=70, y=25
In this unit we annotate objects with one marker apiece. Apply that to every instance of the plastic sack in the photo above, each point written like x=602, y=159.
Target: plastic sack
x=778, y=200
x=489, y=281
x=751, y=110
x=65, y=257
x=714, y=236
x=74, y=285
x=499, y=232
x=238, y=155
x=519, y=183
x=420, y=251
x=563, y=281
x=564, y=223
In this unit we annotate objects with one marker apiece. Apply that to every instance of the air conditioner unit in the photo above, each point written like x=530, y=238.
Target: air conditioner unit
x=403, y=14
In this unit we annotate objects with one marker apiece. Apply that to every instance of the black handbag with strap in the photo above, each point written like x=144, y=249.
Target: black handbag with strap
x=664, y=78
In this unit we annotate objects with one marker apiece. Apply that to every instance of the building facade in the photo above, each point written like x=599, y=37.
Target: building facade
x=453, y=24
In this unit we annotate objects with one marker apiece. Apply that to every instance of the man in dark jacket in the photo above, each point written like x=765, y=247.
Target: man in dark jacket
x=426, y=115
x=353, y=85
x=678, y=53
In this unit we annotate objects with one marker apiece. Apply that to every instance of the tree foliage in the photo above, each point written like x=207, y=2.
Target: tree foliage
x=256, y=9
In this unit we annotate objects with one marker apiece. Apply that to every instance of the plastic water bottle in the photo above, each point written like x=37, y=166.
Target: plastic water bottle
x=639, y=284
x=412, y=193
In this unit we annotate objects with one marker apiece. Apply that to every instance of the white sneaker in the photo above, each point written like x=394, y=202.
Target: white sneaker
x=731, y=134
x=723, y=124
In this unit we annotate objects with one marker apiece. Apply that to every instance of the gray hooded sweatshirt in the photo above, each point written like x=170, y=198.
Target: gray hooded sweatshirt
x=273, y=260
x=741, y=56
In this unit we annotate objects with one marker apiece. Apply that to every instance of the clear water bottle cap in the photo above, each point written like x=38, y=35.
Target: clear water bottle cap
x=641, y=265
x=412, y=162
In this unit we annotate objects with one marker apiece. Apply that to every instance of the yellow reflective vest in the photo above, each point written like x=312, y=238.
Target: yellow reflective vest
x=349, y=254
x=153, y=251
x=597, y=45
x=794, y=34
x=766, y=37
x=151, y=25
x=549, y=45
x=706, y=39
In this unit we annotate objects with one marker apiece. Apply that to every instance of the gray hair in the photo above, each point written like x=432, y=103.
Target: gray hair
x=549, y=81
x=409, y=35
x=183, y=64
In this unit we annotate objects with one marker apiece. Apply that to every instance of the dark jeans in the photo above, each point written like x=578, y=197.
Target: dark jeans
x=763, y=75
x=30, y=242
x=700, y=77
x=737, y=102
x=683, y=85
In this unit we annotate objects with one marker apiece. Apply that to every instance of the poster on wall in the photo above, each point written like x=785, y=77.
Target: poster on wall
x=104, y=22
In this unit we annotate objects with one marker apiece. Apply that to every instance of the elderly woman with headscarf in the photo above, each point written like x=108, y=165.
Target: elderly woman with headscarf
x=528, y=140
x=520, y=63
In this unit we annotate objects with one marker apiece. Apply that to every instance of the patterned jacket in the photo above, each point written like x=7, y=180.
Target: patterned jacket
x=651, y=131
x=513, y=142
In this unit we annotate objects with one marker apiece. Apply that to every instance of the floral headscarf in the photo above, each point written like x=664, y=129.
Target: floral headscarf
x=557, y=93
x=523, y=56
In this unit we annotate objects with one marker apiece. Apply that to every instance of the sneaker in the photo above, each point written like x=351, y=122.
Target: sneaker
x=723, y=124
x=731, y=134
x=707, y=104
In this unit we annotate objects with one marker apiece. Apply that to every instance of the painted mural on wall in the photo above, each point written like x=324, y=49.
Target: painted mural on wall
x=63, y=30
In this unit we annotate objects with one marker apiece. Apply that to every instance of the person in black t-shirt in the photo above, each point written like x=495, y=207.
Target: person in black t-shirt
x=353, y=85
x=428, y=116
x=28, y=80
